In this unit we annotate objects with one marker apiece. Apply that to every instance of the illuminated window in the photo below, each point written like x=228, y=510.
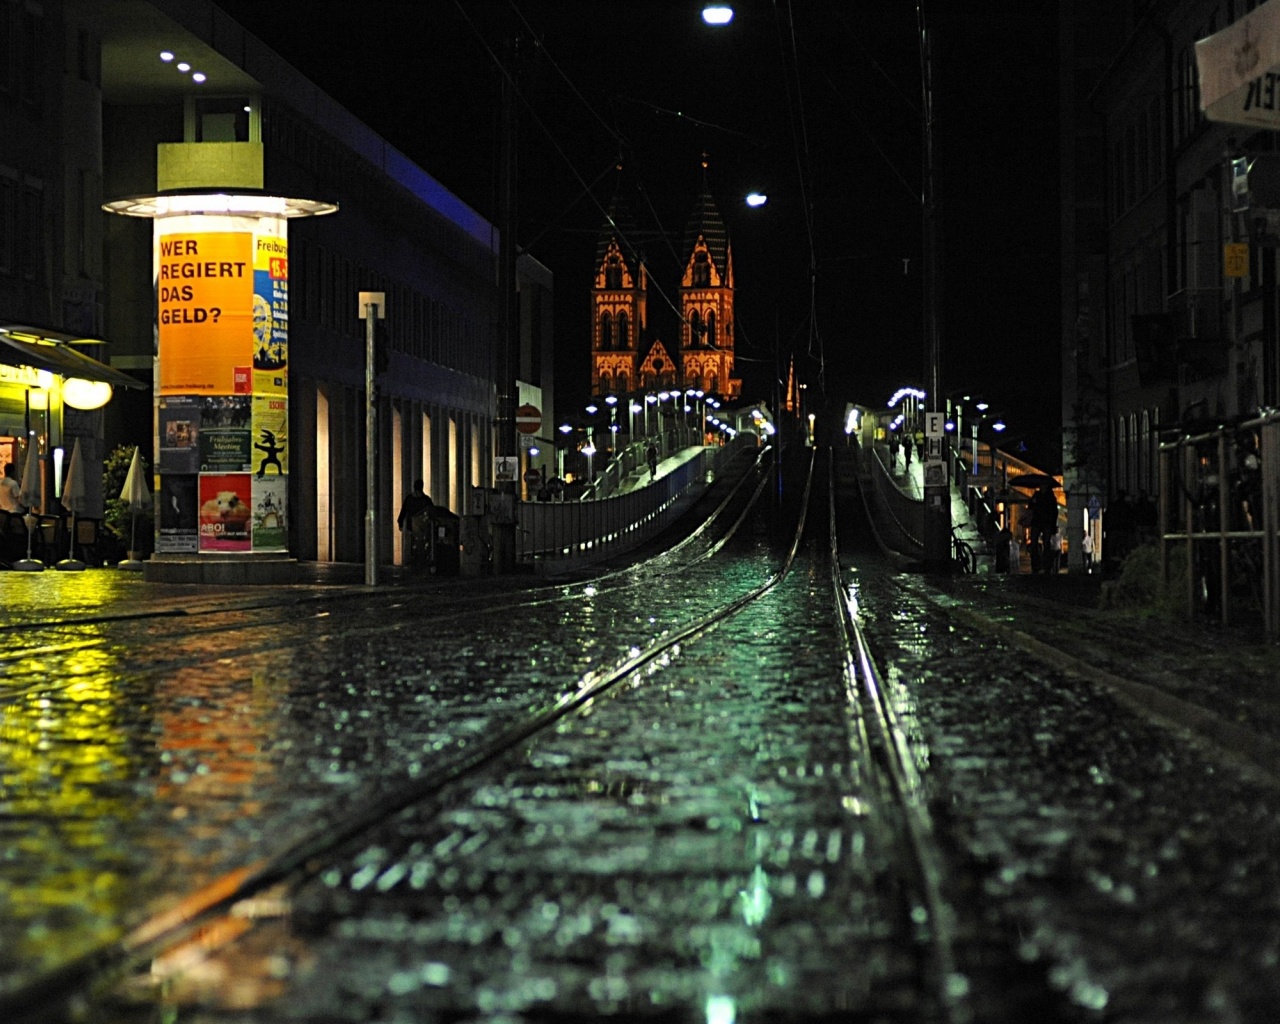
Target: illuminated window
x=606, y=331
x=624, y=331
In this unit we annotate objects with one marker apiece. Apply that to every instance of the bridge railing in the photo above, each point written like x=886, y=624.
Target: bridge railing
x=553, y=536
x=899, y=516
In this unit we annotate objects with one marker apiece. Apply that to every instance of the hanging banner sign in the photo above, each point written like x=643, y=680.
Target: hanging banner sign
x=1240, y=70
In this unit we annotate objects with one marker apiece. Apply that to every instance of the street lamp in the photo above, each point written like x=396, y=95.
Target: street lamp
x=717, y=14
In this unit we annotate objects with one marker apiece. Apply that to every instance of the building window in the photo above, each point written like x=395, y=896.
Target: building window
x=32, y=220
x=606, y=332
x=624, y=331
x=6, y=46
x=709, y=338
x=701, y=269
x=613, y=274
x=8, y=222
x=695, y=329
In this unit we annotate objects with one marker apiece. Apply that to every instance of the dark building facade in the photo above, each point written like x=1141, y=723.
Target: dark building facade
x=1160, y=329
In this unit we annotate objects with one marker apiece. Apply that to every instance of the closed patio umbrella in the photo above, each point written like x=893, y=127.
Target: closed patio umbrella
x=74, y=499
x=30, y=494
x=136, y=493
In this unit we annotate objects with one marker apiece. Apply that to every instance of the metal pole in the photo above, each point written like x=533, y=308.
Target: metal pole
x=370, y=452
x=937, y=491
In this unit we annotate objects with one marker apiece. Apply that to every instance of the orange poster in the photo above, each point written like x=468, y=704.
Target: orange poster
x=205, y=311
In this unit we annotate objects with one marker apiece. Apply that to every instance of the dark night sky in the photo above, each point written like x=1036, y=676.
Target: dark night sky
x=816, y=102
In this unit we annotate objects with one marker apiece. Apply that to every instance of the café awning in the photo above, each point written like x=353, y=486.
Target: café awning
x=1240, y=70
x=44, y=349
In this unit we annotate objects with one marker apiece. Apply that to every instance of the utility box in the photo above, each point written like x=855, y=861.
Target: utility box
x=444, y=543
x=476, y=548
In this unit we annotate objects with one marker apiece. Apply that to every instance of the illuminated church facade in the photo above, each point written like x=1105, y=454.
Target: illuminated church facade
x=627, y=355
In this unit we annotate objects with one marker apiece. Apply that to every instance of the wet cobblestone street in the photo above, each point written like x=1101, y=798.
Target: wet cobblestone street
x=700, y=843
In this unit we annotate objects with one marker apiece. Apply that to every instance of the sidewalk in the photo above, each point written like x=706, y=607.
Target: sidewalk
x=639, y=478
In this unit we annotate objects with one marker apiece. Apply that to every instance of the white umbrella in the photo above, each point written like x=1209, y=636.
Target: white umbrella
x=74, y=499
x=30, y=494
x=137, y=495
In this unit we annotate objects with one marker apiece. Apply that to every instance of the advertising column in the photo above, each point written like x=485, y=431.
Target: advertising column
x=222, y=290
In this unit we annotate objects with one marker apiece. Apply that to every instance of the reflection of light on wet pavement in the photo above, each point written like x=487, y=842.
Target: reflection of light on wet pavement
x=65, y=788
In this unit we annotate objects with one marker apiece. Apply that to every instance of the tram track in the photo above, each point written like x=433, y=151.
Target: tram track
x=217, y=913
x=168, y=633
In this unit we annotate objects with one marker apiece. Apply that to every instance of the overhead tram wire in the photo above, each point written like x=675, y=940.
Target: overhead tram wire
x=514, y=85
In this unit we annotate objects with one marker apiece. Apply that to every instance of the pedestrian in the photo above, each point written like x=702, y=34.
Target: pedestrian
x=10, y=489
x=652, y=455
x=415, y=502
x=1053, y=556
x=893, y=451
x=1044, y=520
x=906, y=451
x=1086, y=547
x=1004, y=541
x=1015, y=554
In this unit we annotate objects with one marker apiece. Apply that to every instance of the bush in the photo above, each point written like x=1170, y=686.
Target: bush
x=1140, y=586
x=118, y=517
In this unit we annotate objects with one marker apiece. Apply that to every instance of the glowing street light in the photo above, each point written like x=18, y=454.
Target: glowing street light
x=717, y=14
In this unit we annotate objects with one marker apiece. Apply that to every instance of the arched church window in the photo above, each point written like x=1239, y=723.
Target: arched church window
x=713, y=384
x=623, y=381
x=624, y=331
x=606, y=383
x=695, y=329
x=701, y=269
x=710, y=336
x=606, y=331
x=613, y=273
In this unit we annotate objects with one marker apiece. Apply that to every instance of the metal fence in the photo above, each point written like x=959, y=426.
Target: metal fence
x=1219, y=516
x=554, y=536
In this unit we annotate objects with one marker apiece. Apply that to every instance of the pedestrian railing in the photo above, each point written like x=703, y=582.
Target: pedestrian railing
x=1219, y=519
x=554, y=536
x=899, y=517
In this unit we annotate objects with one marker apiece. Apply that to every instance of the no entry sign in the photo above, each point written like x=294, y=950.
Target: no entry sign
x=528, y=419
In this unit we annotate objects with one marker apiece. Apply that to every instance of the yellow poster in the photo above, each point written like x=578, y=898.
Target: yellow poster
x=270, y=435
x=205, y=304
x=270, y=315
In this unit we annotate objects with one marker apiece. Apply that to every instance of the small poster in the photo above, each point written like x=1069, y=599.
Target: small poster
x=225, y=511
x=270, y=314
x=178, y=514
x=225, y=434
x=270, y=528
x=270, y=427
x=180, y=434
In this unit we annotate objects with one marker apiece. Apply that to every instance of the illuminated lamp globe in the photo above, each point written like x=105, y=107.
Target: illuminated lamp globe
x=86, y=394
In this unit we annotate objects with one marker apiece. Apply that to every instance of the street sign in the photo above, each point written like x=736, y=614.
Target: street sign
x=528, y=441
x=505, y=469
x=528, y=419
x=1235, y=259
x=533, y=477
x=935, y=424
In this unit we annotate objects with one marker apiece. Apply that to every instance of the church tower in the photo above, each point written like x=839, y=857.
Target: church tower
x=706, y=301
x=619, y=312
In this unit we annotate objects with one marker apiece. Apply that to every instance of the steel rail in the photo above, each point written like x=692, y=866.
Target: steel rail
x=865, y=692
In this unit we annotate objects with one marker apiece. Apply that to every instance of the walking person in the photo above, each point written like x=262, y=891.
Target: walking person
x=652, y=455
x=893, y=451
x=906, y=451
x=412, y=521
x=1086, y=547
x=1053, y=556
